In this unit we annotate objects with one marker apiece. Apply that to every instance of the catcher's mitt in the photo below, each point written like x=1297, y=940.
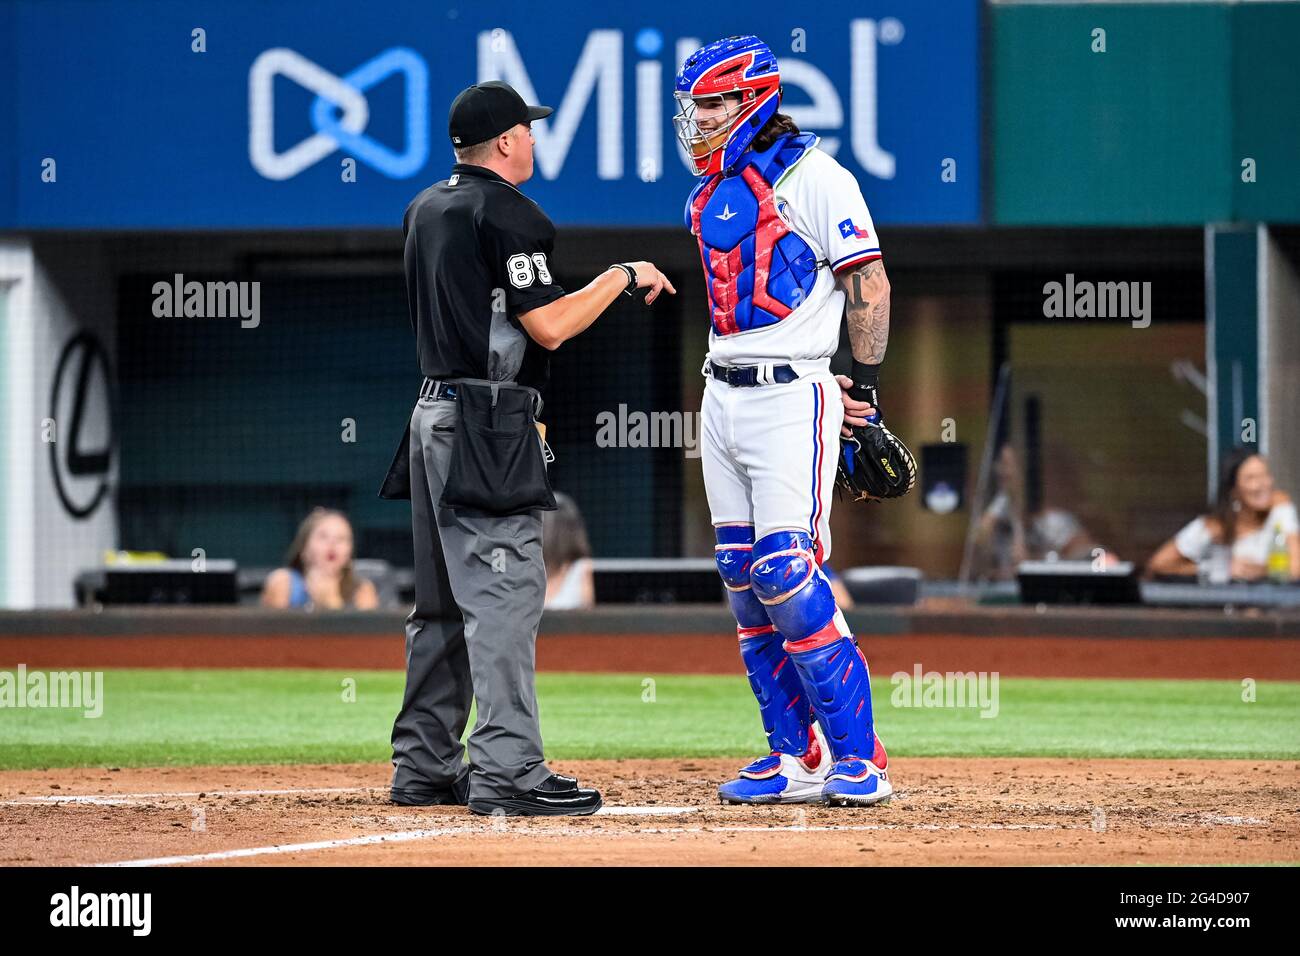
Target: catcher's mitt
x=875, y=465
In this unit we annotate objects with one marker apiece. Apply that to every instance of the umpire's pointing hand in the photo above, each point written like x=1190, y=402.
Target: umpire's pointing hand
x=649, y=277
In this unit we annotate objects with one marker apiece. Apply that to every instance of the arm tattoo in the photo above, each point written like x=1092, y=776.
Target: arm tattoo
x=867, y=311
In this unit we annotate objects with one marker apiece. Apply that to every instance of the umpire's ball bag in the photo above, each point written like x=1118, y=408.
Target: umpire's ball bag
x=497, y=465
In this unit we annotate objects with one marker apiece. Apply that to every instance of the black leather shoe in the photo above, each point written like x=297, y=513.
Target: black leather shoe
x=457, y=795
x=556, y=796
x=558, y=783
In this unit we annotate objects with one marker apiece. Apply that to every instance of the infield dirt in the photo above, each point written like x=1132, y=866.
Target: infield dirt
x=948, y=811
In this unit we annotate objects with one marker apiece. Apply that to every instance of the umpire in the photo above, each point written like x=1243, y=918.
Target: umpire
x=486, y=310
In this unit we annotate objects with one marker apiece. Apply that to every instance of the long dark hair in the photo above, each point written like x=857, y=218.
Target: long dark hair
x=777, y=125
x=348, y=581
x=1224, y=512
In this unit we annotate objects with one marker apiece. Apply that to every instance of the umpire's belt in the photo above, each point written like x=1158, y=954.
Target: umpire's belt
x=748, y=376
x=438, y=391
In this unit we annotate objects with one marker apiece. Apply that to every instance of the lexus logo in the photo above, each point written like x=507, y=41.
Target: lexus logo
x=77, y=406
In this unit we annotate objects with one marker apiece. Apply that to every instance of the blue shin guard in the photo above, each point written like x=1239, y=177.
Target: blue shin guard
x=794, y=772
x=835, y=675
x=837, y=681
x=781, y=699
x=831, y=669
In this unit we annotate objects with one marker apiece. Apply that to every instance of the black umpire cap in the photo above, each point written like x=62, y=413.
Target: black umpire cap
x=488, y=109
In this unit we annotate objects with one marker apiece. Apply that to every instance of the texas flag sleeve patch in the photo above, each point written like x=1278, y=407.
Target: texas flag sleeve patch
x=841, y=220
x=850, y=231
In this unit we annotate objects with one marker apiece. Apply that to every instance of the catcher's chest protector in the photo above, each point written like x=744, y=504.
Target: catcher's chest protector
x=757, y=270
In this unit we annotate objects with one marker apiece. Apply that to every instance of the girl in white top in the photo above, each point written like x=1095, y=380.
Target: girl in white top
x=1249, y=512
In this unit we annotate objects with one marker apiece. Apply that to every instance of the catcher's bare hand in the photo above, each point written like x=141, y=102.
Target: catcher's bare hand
x=855, y=412
x=649, y=277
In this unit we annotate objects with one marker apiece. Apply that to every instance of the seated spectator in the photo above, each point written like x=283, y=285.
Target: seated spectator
x=567, y=553
x=319, y=575
x=1007, y=535
x=1249, y=513
x=1056, y=534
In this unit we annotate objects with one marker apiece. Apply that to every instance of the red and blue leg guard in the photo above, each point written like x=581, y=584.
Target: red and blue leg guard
x=835, y=675
x=781, y=699
x=832, y=671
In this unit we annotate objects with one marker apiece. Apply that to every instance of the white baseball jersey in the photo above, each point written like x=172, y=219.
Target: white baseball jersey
x=769, y=452
x=818, y=199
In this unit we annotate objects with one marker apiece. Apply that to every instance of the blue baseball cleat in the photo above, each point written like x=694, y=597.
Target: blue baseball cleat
x=782, y=778
x=854, y=782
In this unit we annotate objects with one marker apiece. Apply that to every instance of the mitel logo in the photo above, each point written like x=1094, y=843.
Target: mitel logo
x=596, y=82
x=346, y=93
x=599, y=75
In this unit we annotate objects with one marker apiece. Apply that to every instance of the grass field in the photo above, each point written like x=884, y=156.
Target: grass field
x=195, y=717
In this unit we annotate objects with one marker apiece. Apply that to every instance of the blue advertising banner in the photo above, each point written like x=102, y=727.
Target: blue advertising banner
x=332, y=113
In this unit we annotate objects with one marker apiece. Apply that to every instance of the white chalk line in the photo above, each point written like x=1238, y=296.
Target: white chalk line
x=1218, y=818
x=501, y=826
x=650, y=810
x=284, y=848
x=115, y=799
x=129, y=799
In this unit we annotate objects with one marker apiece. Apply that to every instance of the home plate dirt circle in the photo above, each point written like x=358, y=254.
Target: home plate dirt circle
x=962, y=811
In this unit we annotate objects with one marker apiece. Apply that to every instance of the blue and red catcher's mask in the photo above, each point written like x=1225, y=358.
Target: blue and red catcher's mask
x=741, y=74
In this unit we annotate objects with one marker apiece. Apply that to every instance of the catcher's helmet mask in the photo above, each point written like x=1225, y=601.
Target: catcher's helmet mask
x=739, y=66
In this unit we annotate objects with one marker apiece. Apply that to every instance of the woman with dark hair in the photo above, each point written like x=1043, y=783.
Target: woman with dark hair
x=1249, y=518
x=567, y=553
x=319, y=575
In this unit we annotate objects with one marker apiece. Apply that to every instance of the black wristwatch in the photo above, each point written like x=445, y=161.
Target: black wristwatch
x=631, y=276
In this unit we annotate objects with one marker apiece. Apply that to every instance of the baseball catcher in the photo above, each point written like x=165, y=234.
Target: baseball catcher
x=788, y=249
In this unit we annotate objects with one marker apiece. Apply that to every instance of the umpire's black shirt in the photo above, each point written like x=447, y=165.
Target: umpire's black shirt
x=476, y=257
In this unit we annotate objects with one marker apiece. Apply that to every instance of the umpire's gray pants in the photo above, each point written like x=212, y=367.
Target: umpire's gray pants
x=479, y=589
